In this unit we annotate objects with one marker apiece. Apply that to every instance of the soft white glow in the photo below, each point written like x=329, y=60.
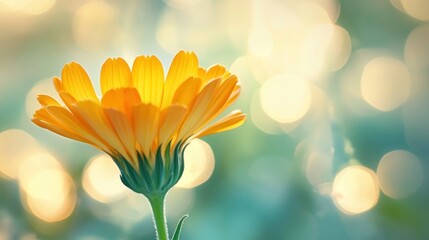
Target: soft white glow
x=355, y=189
x=260, y=41
x=385, y=83
x=199, y=164
x=400, y=173
x=101, y=179
x=38, y=6
x=35, y=164
x=285, y=98
x=15, y=146
x=332, y=8
x=95, y=25
x=327, y=47
x=237, y=28
x=167, y=32
x=48, y=191
x=288, y=37
x=33, y=7
x=417, y=8
x=51, y=195
x=180, y=4
x=247, y=69
x=339, y=47
x=15, y=4
x=259, y=118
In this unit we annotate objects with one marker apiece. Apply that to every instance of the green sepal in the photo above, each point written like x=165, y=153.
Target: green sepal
x=156, y=178
x=144, y=168
x=178, y=229
x=158, y=171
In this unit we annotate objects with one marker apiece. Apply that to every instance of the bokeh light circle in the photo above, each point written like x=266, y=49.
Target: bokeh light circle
x=48, y=191
x=95, y=25
x=101, y=179
x=417, y=8
x=264, y=122
x=416, y=50
x=355, y=189
x=36, y=7
x=260, y=41
x=15, y=146
x=400, y=174
x=34, y=164
x=385, y=83
x=285, y=98
x=15, y=4
x=51, y=195
x=339, y=47
x=199, y=164
x=326, y=48
x=181, y=4
x=32, y=7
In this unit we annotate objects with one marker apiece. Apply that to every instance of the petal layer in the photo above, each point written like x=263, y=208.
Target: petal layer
x=115, y=74
x=231, y=121
x=75, y=81
x=184, y=65
x=148, y=79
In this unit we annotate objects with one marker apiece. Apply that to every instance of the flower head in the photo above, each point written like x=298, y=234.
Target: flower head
x=143, y=120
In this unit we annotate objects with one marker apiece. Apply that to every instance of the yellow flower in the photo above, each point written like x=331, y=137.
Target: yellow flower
x=143, y=121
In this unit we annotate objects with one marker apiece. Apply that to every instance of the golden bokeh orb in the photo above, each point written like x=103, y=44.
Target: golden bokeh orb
x=199, y=164
x=355, y=190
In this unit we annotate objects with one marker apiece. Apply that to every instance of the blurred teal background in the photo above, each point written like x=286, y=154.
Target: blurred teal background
x=336, y=144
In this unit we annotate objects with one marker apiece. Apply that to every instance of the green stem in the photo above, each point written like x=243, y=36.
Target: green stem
x=157, y=204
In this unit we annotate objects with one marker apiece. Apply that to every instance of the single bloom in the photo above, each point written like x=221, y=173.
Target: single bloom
x=143, y=120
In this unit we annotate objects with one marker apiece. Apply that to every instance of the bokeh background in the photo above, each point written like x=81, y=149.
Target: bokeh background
x=336, y=145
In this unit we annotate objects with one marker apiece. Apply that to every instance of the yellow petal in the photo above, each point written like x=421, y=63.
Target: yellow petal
x=61, y=131
x=67, y=121
x=146, y=123
x=201, y=72
x=122, y=126
x=221, y=96
x=69, y=101
x=94, y=116
x=213, y=72
x=148, y=79
x=123, y=99
x=76, y=82
x=67, y=98
x=115, y=74
x=171, y=119
x=184, y=65
x=231, y=121
x=46, y=100
x=232, y=98
x=187, y=91
x=63, y=120
x=58, y=84
x=199, y=107
x=71, y=105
